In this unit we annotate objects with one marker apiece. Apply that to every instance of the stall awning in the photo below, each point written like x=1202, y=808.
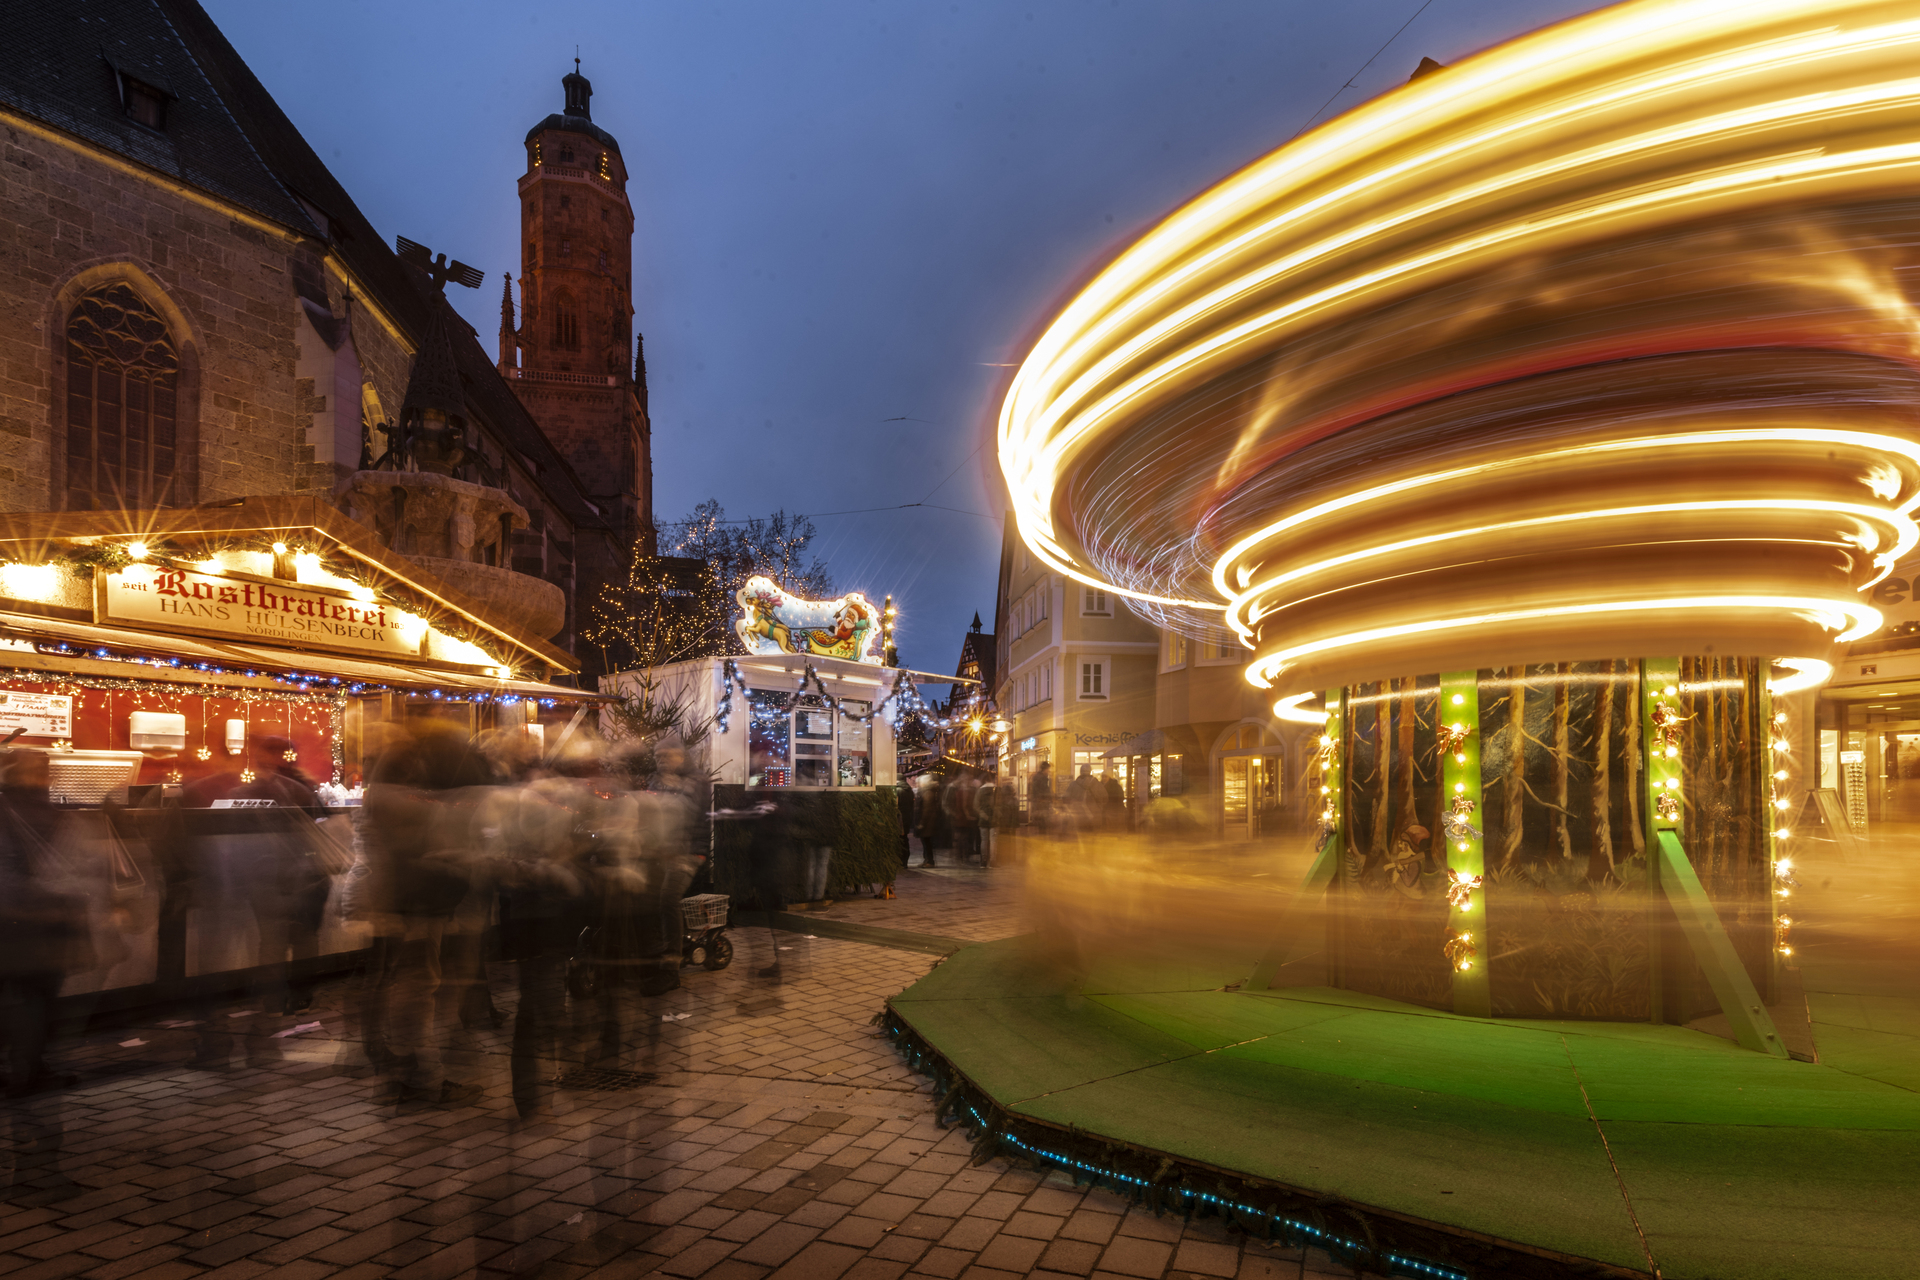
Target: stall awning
x=29, y=642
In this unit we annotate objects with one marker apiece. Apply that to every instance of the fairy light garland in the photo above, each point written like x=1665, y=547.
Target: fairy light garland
x=1664, y=719
x=1779, y=829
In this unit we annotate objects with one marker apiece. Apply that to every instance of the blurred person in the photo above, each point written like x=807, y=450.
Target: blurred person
x=1116, y=802
x=908, y=799
x=985, y=799
x=962, y=819
x=43, y=912
x=770, y=855
x=531, y=831
x=1087, y=799
x=933, y=817
x=417, y=836
x=1040, y=797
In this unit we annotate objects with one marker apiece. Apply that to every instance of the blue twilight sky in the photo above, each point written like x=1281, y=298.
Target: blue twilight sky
x=847, y=212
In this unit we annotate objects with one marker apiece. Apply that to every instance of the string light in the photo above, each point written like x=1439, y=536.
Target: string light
x=1779, y=744
x=905, y=1043
x=1460, y=950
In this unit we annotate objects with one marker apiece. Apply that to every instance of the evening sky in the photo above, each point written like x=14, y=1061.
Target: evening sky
x=852, y=217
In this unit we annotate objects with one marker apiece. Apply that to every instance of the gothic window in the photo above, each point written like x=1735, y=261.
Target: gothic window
x=566, y=154
x=123, y=390
x=566, y=248
x=603, y=259
x=566, y=202
x=566, y=324
x=533, y=252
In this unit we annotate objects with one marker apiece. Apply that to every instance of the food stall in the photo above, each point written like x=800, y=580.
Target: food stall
x=805, y=718
x=141, y=653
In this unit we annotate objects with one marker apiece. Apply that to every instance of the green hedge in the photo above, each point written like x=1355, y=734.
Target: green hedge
x=862, y=827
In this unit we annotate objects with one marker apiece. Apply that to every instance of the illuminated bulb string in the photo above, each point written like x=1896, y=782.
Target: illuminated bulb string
x=1779, y=746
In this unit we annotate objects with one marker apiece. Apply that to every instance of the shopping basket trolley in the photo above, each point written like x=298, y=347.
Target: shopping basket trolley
x=704, y=919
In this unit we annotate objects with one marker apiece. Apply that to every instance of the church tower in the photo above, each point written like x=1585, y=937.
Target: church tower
x=571, y=358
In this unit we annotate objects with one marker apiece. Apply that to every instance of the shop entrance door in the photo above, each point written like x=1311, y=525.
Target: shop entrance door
x=1250, y=792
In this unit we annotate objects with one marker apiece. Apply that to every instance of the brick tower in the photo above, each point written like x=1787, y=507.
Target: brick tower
x=571, y=358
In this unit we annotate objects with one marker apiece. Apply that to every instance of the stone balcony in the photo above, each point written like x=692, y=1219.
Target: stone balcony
x=452, y=528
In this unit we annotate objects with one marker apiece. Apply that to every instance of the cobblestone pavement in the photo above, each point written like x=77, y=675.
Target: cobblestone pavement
x=780, y=1137
x=952, y=901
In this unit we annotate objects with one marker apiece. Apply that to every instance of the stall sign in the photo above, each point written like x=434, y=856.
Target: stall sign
x=38, y=715
x=288, y=614
x=772, y=621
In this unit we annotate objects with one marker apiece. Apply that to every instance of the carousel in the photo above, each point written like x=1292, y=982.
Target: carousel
x=1542, y=429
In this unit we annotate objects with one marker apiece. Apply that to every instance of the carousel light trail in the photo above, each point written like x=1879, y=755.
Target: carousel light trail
x=1604, y=149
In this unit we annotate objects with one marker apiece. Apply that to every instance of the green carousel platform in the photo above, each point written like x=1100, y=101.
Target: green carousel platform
x=1424, y=1143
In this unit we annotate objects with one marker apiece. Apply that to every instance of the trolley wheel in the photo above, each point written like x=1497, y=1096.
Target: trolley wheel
x=719, y=952
x=700, y=952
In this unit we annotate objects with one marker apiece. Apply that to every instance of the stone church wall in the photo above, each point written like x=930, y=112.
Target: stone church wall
x=228, y=284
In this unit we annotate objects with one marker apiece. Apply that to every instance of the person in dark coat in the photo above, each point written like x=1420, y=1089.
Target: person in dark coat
x=907, y=801
x=1040, y=797
x=43, y=920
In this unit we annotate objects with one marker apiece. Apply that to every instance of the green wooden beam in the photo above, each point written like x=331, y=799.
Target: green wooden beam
x=1657, y=675
x=1461, y=832
x=1292, y=936
x=1752, y=1026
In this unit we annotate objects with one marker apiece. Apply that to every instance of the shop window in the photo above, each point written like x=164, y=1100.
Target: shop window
x=769, y=738
x=1093, y=603
x=813, y=741
x=1094, y=682
x=856, y=745
x=123, y=391
x=1176, y=649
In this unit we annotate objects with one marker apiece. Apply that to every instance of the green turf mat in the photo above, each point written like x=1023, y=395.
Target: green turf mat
x=1016, y=1049
x=1504, y=1171
x=1893, y=1060
x=1213, y=1019
x=1774, y=1204
x=1652, y=1082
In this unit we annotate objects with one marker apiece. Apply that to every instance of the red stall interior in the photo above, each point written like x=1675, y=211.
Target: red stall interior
x=101, y=719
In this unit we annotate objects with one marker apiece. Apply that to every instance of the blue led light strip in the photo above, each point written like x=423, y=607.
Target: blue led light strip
x=1327, y=1239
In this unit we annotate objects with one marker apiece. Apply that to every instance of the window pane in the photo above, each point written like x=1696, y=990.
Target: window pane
x=812, y=741
x=769, y=748
x=856, y=745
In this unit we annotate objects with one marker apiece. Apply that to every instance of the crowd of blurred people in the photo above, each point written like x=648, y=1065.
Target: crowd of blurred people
x=570, y=865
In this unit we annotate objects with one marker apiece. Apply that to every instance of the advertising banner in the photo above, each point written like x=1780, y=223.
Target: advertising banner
x=279, y=613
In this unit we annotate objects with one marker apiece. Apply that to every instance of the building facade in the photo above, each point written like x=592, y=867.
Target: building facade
x=1076, y=671
x=1088, y=683
x=193, y=310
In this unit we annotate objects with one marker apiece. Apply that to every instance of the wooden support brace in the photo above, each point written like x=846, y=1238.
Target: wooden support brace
x=1752, y=1026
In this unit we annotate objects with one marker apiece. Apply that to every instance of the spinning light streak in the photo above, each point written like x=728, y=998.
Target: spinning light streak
x=1593, y=343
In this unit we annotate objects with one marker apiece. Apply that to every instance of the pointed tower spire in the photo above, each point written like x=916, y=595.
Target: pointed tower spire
x=640, y=369
x=976, y=621
x=509, y=335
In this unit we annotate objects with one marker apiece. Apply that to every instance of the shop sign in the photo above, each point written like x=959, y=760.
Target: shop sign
x=1028, y=744
x=38, y=715
x=290, y=614
x=771, y=621
x=1104, y=739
